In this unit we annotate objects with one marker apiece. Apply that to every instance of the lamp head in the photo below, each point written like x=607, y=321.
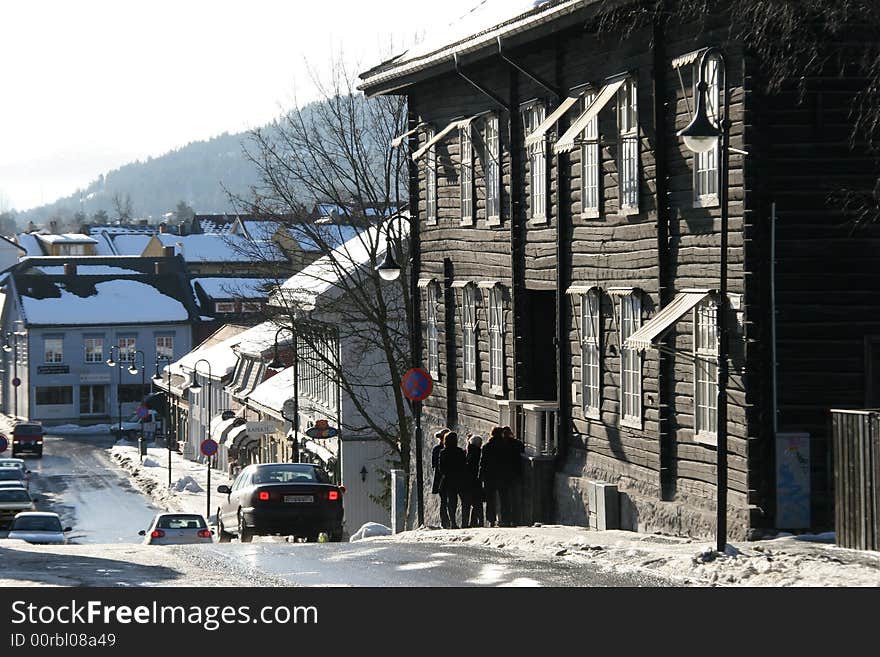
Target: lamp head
x=388, y=269
x=195, y=386
x=701, y=134
x=132, y=369
x=7, y=347
x=111, y=362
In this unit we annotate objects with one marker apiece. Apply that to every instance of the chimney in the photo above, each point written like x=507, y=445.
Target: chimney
x=70, y=269
x=163, y=228
x=167, y=251
x=53, y=227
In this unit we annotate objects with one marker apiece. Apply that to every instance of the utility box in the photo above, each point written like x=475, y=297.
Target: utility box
x=604, y=505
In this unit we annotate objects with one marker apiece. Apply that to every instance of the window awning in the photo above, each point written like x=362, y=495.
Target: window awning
x=397, y=141
x=488, y=285
x=425, y=282
x=539, y=132
x=458, y=284
x=566, y=141
x=648, y=334
x=455, y=125
x=236, y=436
x=580, y=289
x=687, y=58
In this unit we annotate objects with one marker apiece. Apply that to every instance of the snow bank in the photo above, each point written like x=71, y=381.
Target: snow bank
x=187, y=484
x=151, y=463
x=369, y=530
x=69, y=429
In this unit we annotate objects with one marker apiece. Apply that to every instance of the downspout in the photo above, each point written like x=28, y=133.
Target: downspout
x=563, y=275
x=666, y=364
x=775, y=364
x=517, y=260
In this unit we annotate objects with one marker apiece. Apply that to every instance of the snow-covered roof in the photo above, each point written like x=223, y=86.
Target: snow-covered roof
x=5, y=240
x=94, y=270
x=130, y=244
x=67, y=238
x=30, y=244
x=478, y=28
x=324, y=274
x=215, y=247
x=234, y=288
x=333, y=235
x=127, y=229
x=111, y=302
x=217, y=350
x=274, y=391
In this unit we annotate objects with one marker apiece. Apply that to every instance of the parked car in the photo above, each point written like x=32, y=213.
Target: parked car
x=27, y=438
x=38, y=527
x=290, y=499
x=12, y=502
x=13, y=483
x=13, y=463
x=16, y=475
x=177, y=529
x=134, y=426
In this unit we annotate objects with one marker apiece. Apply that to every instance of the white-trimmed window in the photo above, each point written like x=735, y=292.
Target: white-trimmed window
x=493, y=171
x=628, y=128
x=127, y=346
x=224, y=306
x=537, y=165
x=467, y=175
x=165, y=346
x=53, y=349
x=706, y=373
x=706, y=164
x=94, y=349
x=469, y=335
x=433, y=332
x=251, y=306
x=591, y=165
x=630, y=362
x=591, y=372
x=430, y=181
x=496, y=340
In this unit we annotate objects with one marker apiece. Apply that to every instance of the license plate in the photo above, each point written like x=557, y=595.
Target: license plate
x=299, y=499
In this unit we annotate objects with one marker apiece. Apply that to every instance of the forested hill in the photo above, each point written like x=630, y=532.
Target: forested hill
x=195, y=173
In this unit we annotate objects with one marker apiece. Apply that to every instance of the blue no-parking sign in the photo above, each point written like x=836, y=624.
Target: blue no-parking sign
x=416, y=384
x=3, y=443
x=209, y=447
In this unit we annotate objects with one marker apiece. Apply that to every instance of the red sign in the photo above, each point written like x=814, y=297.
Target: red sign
x=209, y=447
x=416, y=384
x=3, y=443
x=322, y=429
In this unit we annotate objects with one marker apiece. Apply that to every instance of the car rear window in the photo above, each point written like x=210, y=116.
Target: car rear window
x=14, y=495
x=27, y=430
x=181, y=522
x=11, y=473
x=36, y=524
x=290, y=474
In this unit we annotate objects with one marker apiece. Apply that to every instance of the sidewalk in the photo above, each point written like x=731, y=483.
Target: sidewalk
x=788, y=560
x=189, y=480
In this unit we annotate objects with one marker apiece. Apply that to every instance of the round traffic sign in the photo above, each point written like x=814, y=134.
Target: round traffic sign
x=16, y=382
x=142, y=412
x=208, y=447
x=416, y=384
x=3, y=443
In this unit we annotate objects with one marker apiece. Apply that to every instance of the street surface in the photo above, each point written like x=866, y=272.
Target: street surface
x=77, y=479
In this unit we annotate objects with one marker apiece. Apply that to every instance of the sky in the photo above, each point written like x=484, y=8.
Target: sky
x=89, y=85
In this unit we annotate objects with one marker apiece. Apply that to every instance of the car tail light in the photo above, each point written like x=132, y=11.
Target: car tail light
x=333, y=495
x=204, y=533
x=157, y=533
x=264, y=496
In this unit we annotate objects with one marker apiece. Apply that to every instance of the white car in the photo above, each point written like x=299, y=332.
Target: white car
x=12, y=501
x=13, y=463
x=13, y=483
x=177, y=529
x=38, y=527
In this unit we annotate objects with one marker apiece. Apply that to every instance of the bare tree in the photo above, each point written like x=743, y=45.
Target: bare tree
x=328, y=173
x=123, y=207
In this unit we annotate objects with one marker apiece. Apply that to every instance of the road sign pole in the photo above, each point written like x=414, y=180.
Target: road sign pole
x=417, y=386
x=208, y=513
x=420, y=476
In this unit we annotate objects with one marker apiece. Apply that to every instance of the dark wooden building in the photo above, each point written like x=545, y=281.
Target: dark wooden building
x=568, y=257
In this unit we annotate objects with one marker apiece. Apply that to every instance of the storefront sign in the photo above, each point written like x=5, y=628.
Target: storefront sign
x=261, y=427
x=95, y=377
x=53, y=369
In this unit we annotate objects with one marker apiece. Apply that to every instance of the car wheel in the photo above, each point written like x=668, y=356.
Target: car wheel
x=245, y=535
x=222, y=535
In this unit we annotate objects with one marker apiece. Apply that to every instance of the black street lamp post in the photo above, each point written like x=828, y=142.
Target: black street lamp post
x=117, y=363
x=277, y=364
x=15, y=335
x=196, y=388
x=157, y=378
x=700, y=136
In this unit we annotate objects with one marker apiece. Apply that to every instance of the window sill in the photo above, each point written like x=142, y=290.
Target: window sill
x=435, y=377
x=631, y=423
x=493, y=222
x=593, y=414
x=466, y=222
x=537, y=221
x=431, y=222
x=627, y=211
x=470, y=387
x=498, y=392
x=706, y=438
x=592, y=213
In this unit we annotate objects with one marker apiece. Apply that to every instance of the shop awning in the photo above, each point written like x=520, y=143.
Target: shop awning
x=539, y=132
x=567, y=141
x=648, y=334
x=236, y=436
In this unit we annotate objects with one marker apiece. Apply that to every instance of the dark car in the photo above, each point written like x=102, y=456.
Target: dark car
x=27, y=438
x=288, y=499
x=16, y=475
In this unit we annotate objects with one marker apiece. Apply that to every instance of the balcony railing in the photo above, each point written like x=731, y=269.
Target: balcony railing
x=533, y=421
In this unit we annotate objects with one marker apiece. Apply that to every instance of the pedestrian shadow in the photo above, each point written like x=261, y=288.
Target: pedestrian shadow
x=58, y=569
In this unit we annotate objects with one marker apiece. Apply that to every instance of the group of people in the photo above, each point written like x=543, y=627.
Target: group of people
x=487, y=474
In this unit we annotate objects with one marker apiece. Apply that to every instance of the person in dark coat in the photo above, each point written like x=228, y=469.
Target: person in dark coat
x=495, y=474
x=435, y=455
x=516, y=449
x=452, y=464
x=472, y=501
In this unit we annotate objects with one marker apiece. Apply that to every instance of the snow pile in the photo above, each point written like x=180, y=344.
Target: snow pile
x=187, y=484
x=806, y=560
x=69, y=429
x=150, y=462
x=370, y=530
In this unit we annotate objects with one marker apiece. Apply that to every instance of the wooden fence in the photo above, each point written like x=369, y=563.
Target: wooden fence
x=856, y=454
